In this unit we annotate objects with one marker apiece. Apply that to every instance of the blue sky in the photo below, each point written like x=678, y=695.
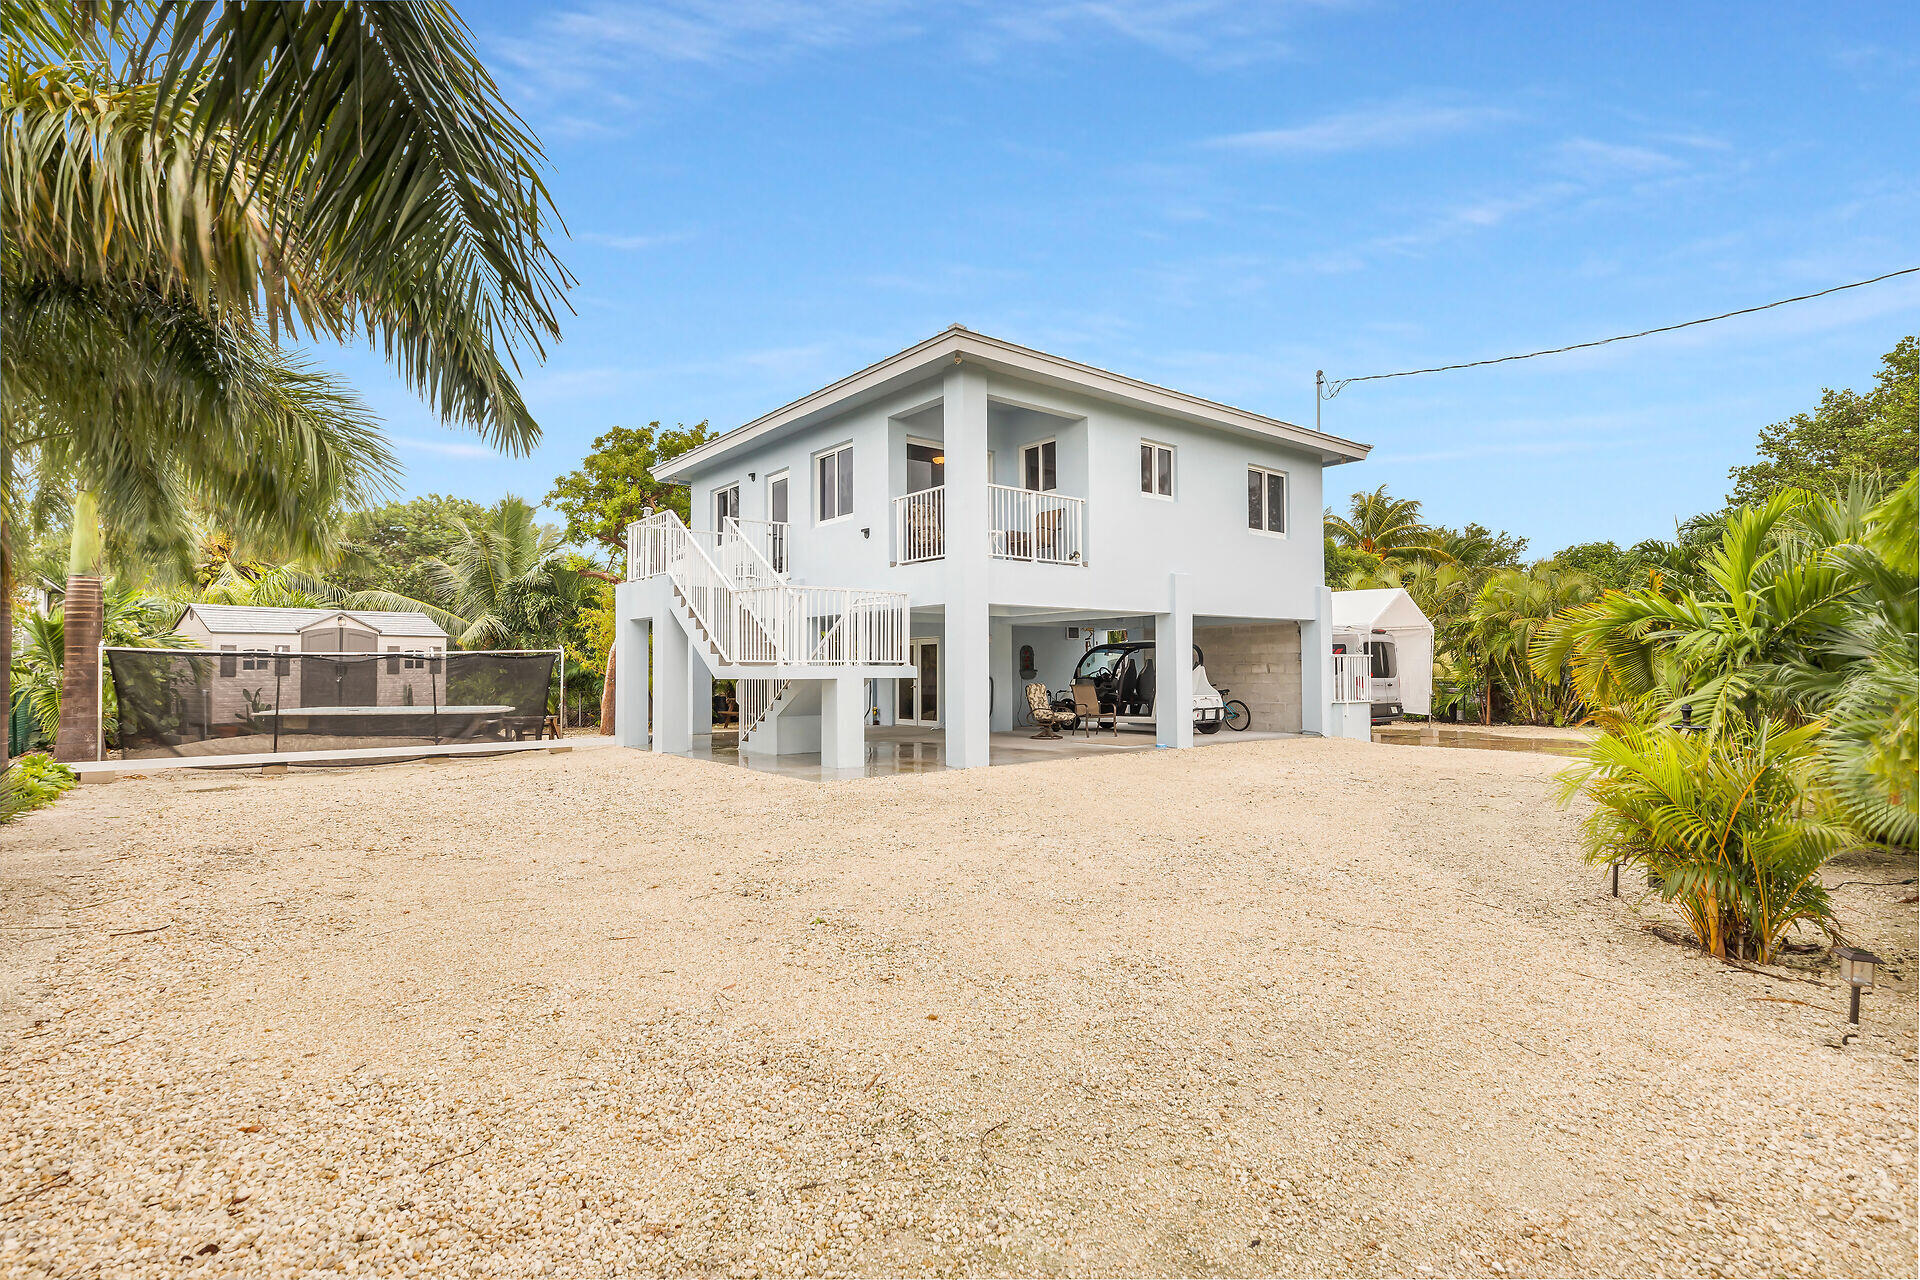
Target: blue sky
x=764, y=195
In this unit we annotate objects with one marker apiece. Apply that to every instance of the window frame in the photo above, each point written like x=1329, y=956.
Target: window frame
x=820, y=517
x=1266, y=494
x=1173, y=470
x=1040, y=446
x=719, y=492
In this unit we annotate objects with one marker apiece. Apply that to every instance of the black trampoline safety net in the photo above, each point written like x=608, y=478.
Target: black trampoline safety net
x=189, y=702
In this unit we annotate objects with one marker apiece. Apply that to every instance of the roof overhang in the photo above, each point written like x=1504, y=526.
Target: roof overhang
x=963, y=346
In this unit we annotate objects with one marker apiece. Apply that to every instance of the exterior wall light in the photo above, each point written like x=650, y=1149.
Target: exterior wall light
x=1856, y=970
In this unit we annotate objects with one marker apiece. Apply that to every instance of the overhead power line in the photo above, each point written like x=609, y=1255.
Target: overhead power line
x=1325, y=390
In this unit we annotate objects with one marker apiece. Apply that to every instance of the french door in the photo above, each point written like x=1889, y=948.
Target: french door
x=777, y=515
x=918, y=696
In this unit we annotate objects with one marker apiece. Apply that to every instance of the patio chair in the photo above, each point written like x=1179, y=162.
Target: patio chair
x=1043, y=714
x=1093, y=712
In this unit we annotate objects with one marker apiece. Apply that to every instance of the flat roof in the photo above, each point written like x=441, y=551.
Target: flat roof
x=959, y=345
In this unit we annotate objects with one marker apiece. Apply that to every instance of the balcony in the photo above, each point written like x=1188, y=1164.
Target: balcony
x=1023, y=524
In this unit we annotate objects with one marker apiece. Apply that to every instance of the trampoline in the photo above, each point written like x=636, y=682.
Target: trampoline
x=194, y=702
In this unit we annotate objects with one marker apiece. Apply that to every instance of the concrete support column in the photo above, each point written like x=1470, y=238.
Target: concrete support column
x=1316, y=667
x=968, y=522
x=699, y=695
x=1009, y=690
x=1173, y=665
x=843, y=723
x=672, y=717
x=631, y=664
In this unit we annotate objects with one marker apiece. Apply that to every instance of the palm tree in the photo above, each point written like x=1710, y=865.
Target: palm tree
x=132, y=620
x=1733, y=830
x=1386, y=528
x=143, y=410
x=503, y=579
x=1810, y=615
x=1507, y=617
x=347, y=169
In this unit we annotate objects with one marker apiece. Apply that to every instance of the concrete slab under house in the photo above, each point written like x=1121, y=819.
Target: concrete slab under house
x=932, y=561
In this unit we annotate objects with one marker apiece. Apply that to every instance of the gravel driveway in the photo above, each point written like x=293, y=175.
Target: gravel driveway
x=1298, y=1007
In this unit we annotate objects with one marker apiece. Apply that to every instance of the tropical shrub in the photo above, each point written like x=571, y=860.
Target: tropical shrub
x=33, y=782
x=1731, y=828
x=1809, y=611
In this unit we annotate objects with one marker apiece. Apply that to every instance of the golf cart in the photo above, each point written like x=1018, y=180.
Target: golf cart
x=1123, y=678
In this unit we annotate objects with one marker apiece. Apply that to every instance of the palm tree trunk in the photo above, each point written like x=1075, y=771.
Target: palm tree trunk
x=606, y=697
x=79, y=737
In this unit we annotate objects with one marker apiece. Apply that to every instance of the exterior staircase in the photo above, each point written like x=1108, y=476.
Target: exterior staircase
x=753, y=625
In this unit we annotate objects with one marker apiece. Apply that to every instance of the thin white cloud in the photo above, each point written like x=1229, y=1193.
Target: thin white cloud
x=1382, y=125
x=588, y=68
x=447, y=448
x=636, y=243
x=1595, y=161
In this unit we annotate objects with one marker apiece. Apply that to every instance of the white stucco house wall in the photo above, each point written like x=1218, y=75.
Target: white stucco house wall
x=927, y=535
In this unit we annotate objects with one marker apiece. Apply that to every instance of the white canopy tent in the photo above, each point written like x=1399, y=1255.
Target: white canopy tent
x=1388, y=624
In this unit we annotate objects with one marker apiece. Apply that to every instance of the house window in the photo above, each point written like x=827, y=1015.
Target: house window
x=1036, y=466
x=833, y=483
x=927, y=467
x=1267, y=500
x=253, y=660
x=726, y=505
x=1156, y=469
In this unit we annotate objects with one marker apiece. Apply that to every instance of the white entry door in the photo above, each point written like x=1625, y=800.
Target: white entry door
x=919, y=695
x=777, y=518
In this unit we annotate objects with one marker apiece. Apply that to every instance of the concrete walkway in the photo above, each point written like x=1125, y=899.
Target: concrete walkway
x=914, y=749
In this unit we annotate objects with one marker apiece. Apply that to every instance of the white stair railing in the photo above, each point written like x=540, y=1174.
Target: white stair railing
x=752, y=615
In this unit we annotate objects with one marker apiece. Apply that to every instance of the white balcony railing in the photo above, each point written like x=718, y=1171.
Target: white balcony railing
x=920, y=526
x=1023, y=524
x=1046, y=527
x=1352, y=677
x=751, y=615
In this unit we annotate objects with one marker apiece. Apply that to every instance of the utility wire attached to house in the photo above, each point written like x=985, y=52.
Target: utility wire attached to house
x=1324, y=390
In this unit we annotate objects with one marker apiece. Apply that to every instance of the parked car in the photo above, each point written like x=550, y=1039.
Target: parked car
x=1123, y=678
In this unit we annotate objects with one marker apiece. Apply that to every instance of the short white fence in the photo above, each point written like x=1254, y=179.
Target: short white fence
x=1352, y=677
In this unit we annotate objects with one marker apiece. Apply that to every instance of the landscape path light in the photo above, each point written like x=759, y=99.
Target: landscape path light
x=1856, y=970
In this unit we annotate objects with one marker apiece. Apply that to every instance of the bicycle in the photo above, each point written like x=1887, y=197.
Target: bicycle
x=1235, y=712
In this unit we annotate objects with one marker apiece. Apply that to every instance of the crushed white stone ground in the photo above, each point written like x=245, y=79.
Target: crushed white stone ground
x=1300, y=1007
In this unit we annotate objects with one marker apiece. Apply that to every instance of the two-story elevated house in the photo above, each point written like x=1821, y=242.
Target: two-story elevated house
x=921, y=540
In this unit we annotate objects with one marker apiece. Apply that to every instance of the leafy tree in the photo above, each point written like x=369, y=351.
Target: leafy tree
x=1605, y=562
x=1385, y=527
x=608, y=492
x=387, y=547
x=1849, y=437
x=1477, y=547
x=1344, y=567
x=611, y=487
